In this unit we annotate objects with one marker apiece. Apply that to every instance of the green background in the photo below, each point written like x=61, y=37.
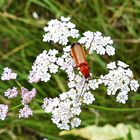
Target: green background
x=21, y=41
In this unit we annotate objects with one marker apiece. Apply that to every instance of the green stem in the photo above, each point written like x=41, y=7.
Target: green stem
x=39, y=112
x=15, y=107
x=38, y=100
x=60, y=83
x=115, y=109
x=18, y=84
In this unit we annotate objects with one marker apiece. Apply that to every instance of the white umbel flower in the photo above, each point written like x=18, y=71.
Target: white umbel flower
x=8, y=74
x=119, y=79
x=26, y=112
x=122, y=64
x=3, y=111
x=59, y=31
x=49, y=104
x=63, y=109
x=88, y=98
x=122, y=97
x=111, y=65
x=94, y=41
x=93, y=84
x=75, y=122
x=134, y=85
x=68, y=105
x=66, y=108
x=27, y=95
x=43, y=66
x=11, y=93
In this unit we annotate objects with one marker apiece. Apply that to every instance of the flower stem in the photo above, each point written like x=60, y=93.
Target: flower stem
x=18, y=84
x=39, y=112
x=60, y=84
x=15, y=107
x=115, y=109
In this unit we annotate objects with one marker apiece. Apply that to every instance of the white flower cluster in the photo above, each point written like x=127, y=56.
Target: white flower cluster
x=27, y=97
x=66, y=109
x=63, y=111
x=8, y=74
x=66, y=62
x=96, y=42
x=119, y=79
x=43, y=66
x=11, y=93
x=59, y=31
x=25, y=112
x=3, y=111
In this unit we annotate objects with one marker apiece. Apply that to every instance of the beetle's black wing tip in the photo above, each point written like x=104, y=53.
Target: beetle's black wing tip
x=74, y=44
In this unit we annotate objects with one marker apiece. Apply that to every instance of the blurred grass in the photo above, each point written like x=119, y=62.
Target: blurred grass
x=21, y=41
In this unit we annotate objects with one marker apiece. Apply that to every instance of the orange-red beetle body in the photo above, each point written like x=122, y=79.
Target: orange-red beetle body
x=79, y=57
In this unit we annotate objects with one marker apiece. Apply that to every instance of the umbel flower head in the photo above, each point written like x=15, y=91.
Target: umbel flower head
x=66, y=108
x=44, y=66
x=97, y=42
x=27, y=95
x=60, y=30
x=11, y=93
x=119, y=79
x=3, y=111
x=8, y=74
x=25, y=112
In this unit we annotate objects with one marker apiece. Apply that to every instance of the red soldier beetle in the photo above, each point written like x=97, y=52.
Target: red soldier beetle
x=79, y=57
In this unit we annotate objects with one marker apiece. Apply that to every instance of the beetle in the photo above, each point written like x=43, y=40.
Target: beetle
x=79, y=57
